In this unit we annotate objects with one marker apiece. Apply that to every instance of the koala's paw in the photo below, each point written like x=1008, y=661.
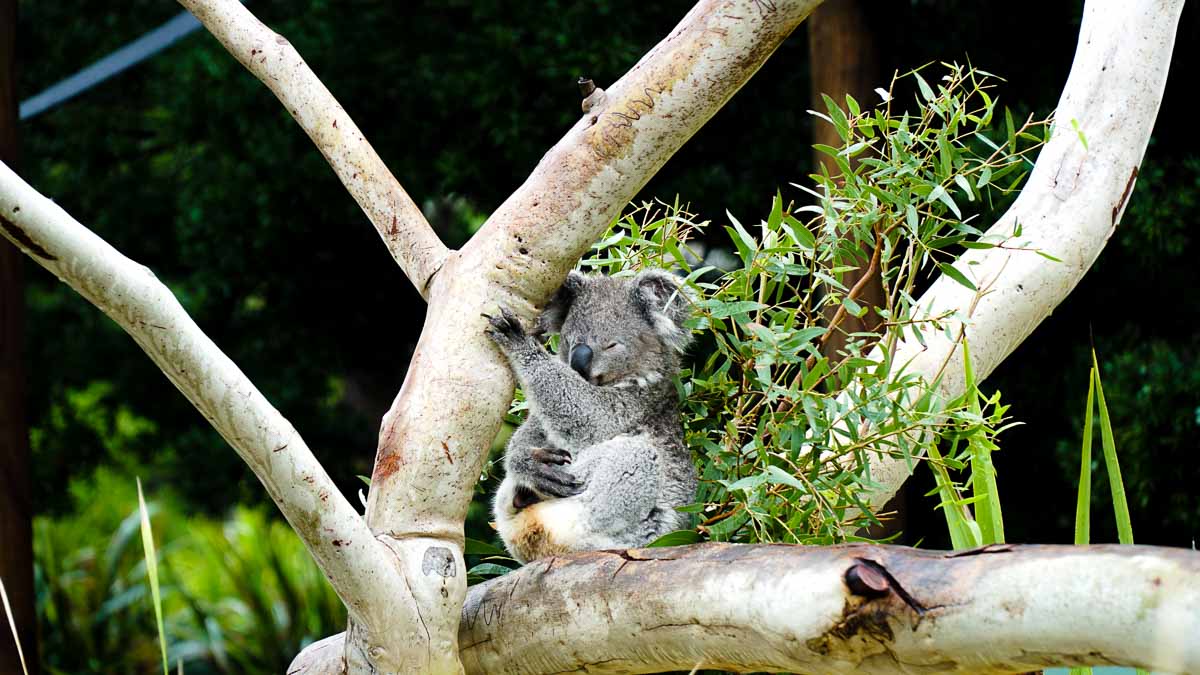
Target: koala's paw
x=505, y=330
x=549, y=477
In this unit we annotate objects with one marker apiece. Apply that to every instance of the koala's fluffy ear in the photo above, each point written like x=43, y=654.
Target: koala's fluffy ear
x=552, y=317
x=666, y=302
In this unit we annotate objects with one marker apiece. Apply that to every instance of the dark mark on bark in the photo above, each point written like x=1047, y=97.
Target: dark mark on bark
x=446, y=451
x=339, y=543
x=438, y=560
x=280, y=448
x=866, y=581
x=23, y=239
x=895, y=585
x=1116, y=212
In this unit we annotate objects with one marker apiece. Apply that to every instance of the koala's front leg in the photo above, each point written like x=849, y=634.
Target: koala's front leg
x=571, y=409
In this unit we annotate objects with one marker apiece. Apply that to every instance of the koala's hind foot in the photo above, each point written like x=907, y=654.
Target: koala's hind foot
x=548, y=476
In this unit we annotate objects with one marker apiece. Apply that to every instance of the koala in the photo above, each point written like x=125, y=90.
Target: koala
x=600, y=462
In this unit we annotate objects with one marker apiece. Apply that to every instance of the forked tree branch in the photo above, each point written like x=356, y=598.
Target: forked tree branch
x=1069, y=207
x=357, y=564
x=273, y=60
x=457, y=387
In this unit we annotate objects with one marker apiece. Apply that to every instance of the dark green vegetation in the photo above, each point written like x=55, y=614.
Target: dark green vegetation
x=189, y=165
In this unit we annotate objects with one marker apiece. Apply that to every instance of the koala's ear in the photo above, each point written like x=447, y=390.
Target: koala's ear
x=552, y=317
x=666, y=302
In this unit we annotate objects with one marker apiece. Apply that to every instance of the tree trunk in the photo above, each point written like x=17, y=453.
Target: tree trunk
x=843, y=61
x=16, y=507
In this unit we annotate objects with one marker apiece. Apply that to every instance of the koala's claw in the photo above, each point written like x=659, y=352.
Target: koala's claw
x=554, y=481
x=504, y=329
x=550, y=455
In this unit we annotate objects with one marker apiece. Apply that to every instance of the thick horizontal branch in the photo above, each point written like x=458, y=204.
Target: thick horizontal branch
x=1069, y=208
x=839, y=609
x=357, y=564
x=273, y=60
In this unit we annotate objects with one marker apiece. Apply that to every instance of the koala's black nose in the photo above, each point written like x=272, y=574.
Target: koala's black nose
x=581, y=359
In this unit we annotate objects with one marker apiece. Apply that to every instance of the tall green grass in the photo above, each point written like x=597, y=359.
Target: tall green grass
x=1096, y=405
x=236, y=595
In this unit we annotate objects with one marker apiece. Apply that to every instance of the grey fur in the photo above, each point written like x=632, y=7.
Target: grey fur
x=604, y=438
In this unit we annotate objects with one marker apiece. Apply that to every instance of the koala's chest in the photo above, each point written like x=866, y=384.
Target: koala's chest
x=548, y=528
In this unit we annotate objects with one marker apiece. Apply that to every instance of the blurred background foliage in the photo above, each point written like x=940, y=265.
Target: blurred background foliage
x=190, y=166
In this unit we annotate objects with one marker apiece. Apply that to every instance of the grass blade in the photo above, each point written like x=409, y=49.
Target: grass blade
x=983, y=472
x=962, y=535
x=152, y=574
x=1120, y=505
x=12, y=624
x=1083, y=518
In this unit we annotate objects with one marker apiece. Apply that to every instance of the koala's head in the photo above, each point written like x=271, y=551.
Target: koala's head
x=619, y=330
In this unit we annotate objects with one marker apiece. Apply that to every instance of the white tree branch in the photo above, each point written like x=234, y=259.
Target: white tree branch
x=1003, y=609
x=273, y=60
x=627, y=133
x=361, y=569
x=1069, y=208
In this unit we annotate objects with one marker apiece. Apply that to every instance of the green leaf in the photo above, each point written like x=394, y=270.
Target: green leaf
x=152, y=574
x=1083, y=500
x=939, y=193
x=925, y=90
x=477, y=547
x=966, y=186
x=489, y=570
x=983, y=471
x=1120, y=506
x=837, y=117
x=721, y=310
x=950, y=271
x=913, y=221
x=365, y=479
x=676, y=538
x=800, y=233
x=776, y=216
x=1079, y=132
x=777, y=475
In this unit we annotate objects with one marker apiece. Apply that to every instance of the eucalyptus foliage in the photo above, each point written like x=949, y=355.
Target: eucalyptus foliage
x=783, y=432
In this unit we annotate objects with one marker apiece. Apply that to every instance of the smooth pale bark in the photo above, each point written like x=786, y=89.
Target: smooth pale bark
x=361, y=569
x=273, y=60
x=1003, y=609
x=1069, y=207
